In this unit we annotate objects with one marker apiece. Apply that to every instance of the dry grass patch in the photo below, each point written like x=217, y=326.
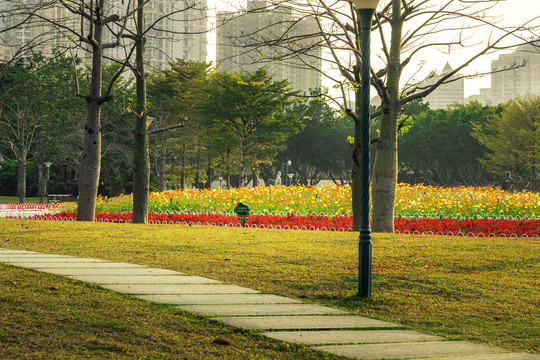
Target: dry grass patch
x=479, y=289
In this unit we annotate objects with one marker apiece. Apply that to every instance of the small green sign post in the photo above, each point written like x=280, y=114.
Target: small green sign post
x=242, y=210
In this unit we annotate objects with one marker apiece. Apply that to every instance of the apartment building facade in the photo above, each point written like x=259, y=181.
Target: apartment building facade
x=179, y=31
x=516, y=74
x=248, y=40
x=451, y=92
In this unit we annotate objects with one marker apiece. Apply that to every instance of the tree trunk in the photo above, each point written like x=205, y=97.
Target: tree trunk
x=91, y=159
x=91, y=154
x=356, y=182
x=384, y=179
x=533, y=174
x=242, y=169
x=162, y=179
x=385, y=168
x=21, y=176
x=141, y=158
x=197, y=169
x=41, y=182
x=228, y=162
x=183, y=175
x=115, y=187
x=209, y=174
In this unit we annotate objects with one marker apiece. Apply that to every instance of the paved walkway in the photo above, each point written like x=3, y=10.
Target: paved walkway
x=277, y=317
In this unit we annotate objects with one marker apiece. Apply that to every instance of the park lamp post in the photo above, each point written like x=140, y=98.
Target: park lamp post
x=47, y=166
x=365, y=10
x=286, y=164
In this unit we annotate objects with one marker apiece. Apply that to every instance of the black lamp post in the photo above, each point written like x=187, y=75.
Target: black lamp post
x=365, y=10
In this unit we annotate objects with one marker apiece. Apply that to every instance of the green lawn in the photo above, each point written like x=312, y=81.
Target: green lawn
x=484, y=290
x=49, y=317
x=15, y=200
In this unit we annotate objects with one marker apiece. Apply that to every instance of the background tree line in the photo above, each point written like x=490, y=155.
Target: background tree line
x=205, y=124
x=405, y=29
x=471, y=144
x=242, y=128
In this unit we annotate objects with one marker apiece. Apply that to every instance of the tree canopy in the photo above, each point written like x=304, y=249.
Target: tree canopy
x=512, y=138
x=250, y=109
x=33, y=122
x=439, y=148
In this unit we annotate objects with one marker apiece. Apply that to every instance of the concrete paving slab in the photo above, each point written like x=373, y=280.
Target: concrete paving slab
x=112, y=272
x=508, y=356
x=261, y=309
x=410, y=350
x=80, y=265
x=146, y=279
x=218, y=299
x=304, y=322
x=351, y=336
x=48, y=260
x=161, y=289
x=9, y=251
x=32, y=256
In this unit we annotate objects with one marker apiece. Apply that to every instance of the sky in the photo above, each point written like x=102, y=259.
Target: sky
x=512, y=12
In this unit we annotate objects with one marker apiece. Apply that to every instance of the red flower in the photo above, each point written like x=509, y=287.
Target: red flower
x=465, y=227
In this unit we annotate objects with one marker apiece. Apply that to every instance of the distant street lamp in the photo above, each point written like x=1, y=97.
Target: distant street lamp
x=365, y=10
x=220, y=180
x=287, y=164
x=48, y=177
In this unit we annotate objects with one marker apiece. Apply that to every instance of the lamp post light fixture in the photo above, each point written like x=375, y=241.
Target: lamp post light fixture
x=220, y=180
x=47, y=166
x=365, y=10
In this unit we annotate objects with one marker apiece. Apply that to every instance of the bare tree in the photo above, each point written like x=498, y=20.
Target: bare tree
x=405, y=30
x=141, y=158
x=19, y=125
x=97, y=26
x=81, y=25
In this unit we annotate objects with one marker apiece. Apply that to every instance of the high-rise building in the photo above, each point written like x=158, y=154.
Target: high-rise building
x=516, y=74
x=270, y=37
x=452, y=92
x=26, y=33
x=179, y=31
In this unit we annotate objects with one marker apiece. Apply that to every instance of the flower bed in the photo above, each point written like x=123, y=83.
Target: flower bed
x=479, y=211
x=442, y=226
x=417, y=201
x=468, y=227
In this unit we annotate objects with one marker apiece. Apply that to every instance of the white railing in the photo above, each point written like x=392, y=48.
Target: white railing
x=25, y=210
